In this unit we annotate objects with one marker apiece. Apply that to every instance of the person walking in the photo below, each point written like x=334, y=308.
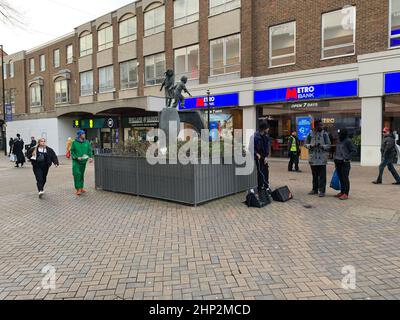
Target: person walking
x=319, y=144
x=345, y=150
x=33, y=142
x=81, y=152
x=294, y=152
x=18, y=150
x=42, y=157
x=389, y=156
x=10, y=144
x=261, y=153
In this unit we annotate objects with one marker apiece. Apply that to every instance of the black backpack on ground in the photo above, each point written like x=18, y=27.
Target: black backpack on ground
x=282, y=194
x=259, y=200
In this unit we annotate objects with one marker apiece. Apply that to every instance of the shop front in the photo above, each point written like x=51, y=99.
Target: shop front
x=136, y=128
x=391, y=115
x=225, y=114
x=297, y=108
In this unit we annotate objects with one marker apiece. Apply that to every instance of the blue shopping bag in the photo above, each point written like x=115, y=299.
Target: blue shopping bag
x=335, y=182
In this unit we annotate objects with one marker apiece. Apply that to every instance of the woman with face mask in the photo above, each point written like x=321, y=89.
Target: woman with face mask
x=42, y=157
x=345, y=150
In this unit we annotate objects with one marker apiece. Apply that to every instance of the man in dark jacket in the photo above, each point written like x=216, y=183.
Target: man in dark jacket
x=389, y=156
x=11, y=144
x=18, y=150
x=33, y=143
x=261, y=153
x=294, y=152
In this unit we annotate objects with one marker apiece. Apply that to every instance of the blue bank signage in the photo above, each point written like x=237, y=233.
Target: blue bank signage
x=216, y=101
x=304, y=125
x=334, y=90
x=8, y=113
x=392, y=83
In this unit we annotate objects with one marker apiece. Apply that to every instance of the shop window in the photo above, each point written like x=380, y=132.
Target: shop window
x=127, y=30
x=339, y=33
x=154, y=20
x=105, y=36
x=86, y=83
x=11, y=66
x=36, y=95
x=56, y=58
x=106, y=79
x=394, y=29
x=31, y=65
x=86, y=44
x=220, y=6
x=225, y=55
x=154, y=69
x=185, y=11
x=128, y=74
x=61, y=91
x=282, y=41
x=70, y=54
x=187, y=62
x=42, y=63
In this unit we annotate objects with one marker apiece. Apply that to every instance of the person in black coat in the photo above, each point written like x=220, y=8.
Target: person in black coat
x=18, y=150
x=261, y=153
x=33, y=142
x=42, y=157
x=10, y=144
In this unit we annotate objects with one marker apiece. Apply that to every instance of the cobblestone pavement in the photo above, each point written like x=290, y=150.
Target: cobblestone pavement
x=114, y=246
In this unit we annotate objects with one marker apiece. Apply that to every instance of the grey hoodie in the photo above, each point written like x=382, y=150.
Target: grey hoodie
x=319, y=145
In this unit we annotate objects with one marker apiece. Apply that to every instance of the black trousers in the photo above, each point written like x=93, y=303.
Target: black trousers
x=294, y=160
x=389, y=164
x=319, y=178
x=41, y=176
x=343, y=171
x=262, y=174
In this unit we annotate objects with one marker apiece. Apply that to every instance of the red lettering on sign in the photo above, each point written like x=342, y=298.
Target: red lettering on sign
x=291, y=93
x=199, y=102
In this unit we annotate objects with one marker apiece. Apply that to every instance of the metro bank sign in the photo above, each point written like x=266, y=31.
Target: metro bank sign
x=216, y=101
x=333, y=90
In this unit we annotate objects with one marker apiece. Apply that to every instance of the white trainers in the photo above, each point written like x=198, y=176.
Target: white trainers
x=41, y=193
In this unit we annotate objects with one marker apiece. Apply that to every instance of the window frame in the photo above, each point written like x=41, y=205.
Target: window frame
x=179, y=75
x=11, y=69
x=86, y=52
x=224, y=5
x=40, y=102
x=154, y=28
x=32, y=66
x=186, y=17
x=59, y=81
x=4, y=66
x=287, y=55
x=224, y=56
x=54, y=58
x=390, y=38
x=86, y=92
x=112, y=87
x=106, y=45
x=42, y=68
x=68, y=59
x=156, y=81
x=127, y=87
x=339, y=46
x=131, y=37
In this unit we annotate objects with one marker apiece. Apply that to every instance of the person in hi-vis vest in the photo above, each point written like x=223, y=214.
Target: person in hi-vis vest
x=294, y=152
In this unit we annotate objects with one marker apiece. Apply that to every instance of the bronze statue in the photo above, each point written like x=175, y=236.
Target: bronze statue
x=178, y=97
x=168, y=84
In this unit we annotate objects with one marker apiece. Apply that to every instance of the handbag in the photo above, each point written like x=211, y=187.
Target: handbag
x=335, y=182
x=13, y=157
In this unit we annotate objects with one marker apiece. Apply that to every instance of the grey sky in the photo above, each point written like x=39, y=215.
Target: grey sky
x=46, y=20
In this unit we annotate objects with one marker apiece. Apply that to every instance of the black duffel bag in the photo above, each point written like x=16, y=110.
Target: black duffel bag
x=282, y=194
x=259, y=200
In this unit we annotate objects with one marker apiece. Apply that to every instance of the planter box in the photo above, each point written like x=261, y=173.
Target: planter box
x=189, y=184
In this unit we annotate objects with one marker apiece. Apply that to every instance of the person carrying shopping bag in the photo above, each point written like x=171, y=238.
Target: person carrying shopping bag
x=81, y=153
x=41, y=158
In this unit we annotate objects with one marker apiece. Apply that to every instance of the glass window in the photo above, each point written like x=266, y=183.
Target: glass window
x=105, y=36
x=185, y=11
x=128, y=74
x=339, y=33
x=11, y=69
x=70, y=54
x=187, y=62
x=61, y=91
x=86, y=45
x=56, y=58
x=225, y=55
x=282, y=41
x=4, y=70
x=154, y=21
x=36, y=96
x=86, y=83
x=154, y=69
x=394, y=23
x=127, y=30
x=31, y=66
x=42, y=63
x=10, y=96
x=220, y=6
x=106, y=79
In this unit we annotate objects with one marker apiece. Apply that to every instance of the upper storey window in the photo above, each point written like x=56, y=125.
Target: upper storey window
x=86, y=44
x=185, y=11
x=394, y=29
x=127, y=30
x=105, y=35
x=220, y=6
x=282, y=40
x=154, y=20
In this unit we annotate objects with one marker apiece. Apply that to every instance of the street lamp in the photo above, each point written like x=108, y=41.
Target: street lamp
x=3, y=98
